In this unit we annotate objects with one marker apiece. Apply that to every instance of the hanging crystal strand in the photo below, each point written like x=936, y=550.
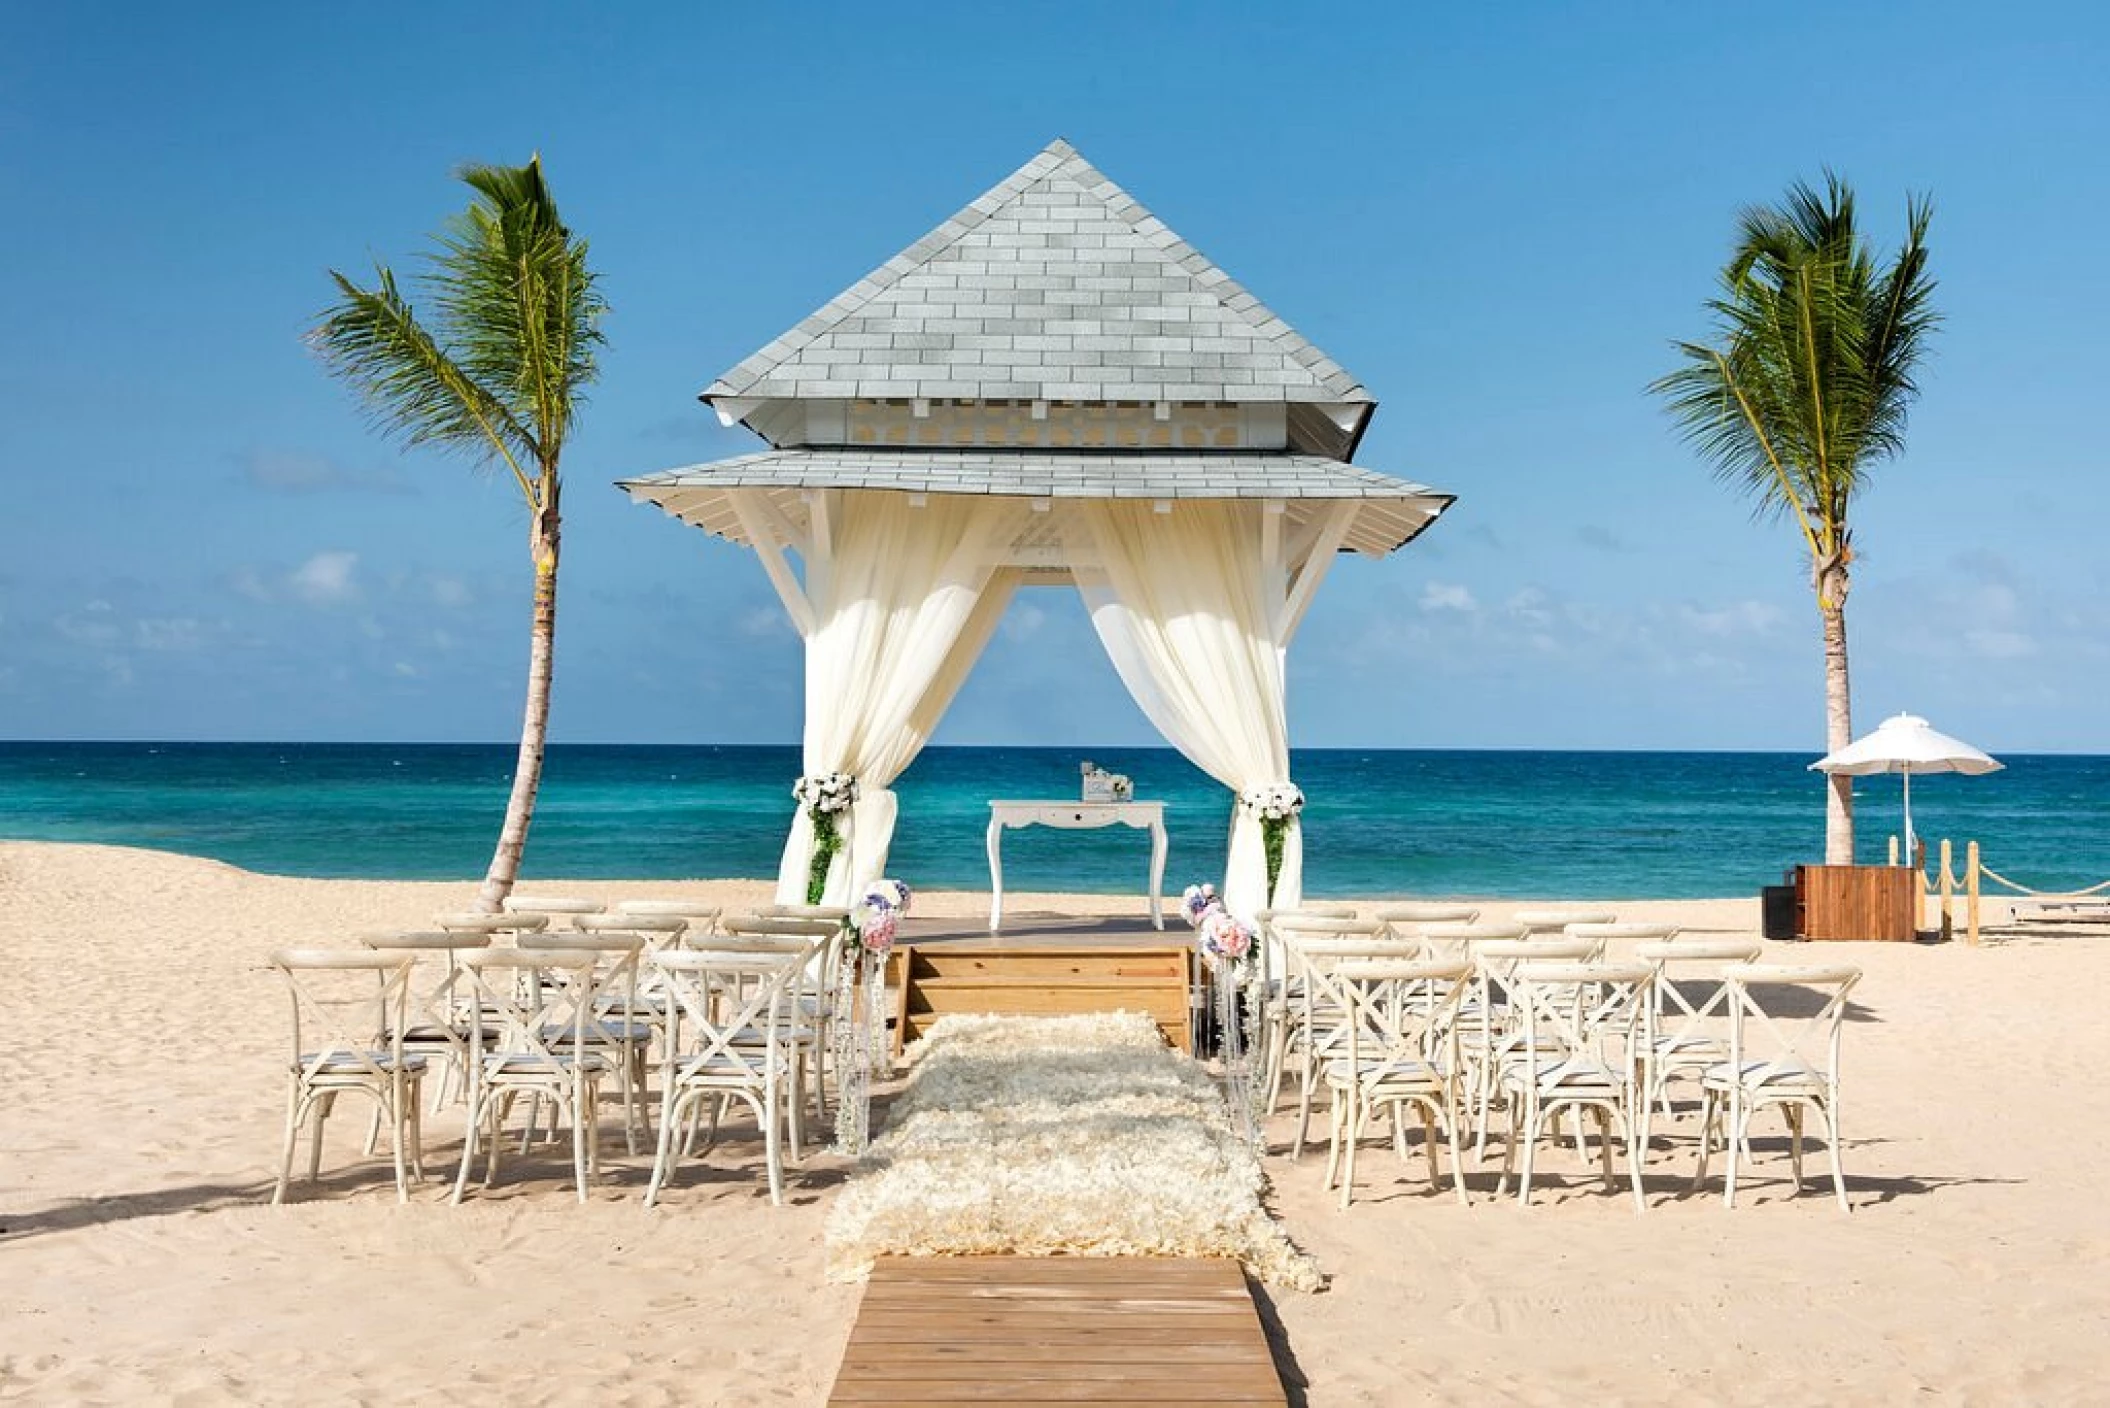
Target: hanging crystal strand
x=849, y=1132
x=878, y=1060
x=1237, y=1078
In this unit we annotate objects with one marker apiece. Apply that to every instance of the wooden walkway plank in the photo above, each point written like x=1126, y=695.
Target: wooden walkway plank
x=1057, y=1330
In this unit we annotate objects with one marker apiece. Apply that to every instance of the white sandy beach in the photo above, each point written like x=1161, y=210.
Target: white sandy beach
x=139, y=1127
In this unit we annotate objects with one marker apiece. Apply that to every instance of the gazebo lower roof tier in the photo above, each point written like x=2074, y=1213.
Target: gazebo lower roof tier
x=1387, y=513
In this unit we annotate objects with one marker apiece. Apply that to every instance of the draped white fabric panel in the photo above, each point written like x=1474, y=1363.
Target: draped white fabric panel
x=1195, y=619
x=904, y=598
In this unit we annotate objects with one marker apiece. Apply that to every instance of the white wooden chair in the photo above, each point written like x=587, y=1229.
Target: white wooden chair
x=1412, y=919
x=1489, y=1022
x=1318, y=1020
x=730, y=1037
x=1580, y=1022
x=1685, y=1029
x=620, y=1027
x=1784, y=1055
x=1400, y=1054
x=1608, y=934
x=491, y=925
x=702, y=918
x=1553, y=921
x=531, y=1012
x=349, y=1009
x=1458, y=939
x=438, y=1021
x=555, y=911
x=814, y=994
x=1279, y=991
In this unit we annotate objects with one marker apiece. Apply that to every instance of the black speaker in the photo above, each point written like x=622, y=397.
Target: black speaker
x=1776, y=911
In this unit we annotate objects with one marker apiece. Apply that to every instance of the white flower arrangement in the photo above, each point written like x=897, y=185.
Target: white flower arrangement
x=1278, y=801
x=876, y=916
x=827, y=793
x=1038, y=1136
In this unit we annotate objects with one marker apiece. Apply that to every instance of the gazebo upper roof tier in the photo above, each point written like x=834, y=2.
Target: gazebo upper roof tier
x=1382, y=513
x=1056, y=285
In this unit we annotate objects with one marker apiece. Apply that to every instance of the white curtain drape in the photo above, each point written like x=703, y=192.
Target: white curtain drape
x=904, y=598
x=1197, y=622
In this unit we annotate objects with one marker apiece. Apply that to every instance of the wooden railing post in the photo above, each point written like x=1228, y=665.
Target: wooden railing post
x=1948, y=891
x=1970, y=889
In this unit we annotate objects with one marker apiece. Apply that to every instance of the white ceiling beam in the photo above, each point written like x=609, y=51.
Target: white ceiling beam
x=750, y=506
x=1305, y=585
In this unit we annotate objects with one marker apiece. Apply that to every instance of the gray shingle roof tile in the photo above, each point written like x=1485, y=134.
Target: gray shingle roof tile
x=1055, y=237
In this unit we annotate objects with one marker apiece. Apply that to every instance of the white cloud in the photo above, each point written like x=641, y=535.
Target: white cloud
x=1999, y=645
x=326, y=578
x=1447, y=596
x=1738, y=618
x=450, y=591
x=406, y=670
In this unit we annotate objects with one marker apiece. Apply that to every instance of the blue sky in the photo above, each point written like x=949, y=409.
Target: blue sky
x=1497, y=220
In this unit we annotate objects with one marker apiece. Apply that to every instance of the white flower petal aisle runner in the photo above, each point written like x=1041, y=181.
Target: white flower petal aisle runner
x=1037, y=1136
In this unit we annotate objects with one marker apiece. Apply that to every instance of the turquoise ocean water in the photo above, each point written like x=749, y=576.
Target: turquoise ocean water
x=1677, y=825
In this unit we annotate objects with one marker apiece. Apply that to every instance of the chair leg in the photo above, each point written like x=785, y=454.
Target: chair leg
x=319, y=1111
x=770, y=1152
x=1336, y=1130
x=671, y=1110
x=581, y=1135
x=1831, y=1145
x=1739, y=1140
x=1428, y=1142
x=1604, y=1141
x=461, y=1177
x=1534, y=1120
x=1450, y=1135
x=389, y=1098
x=1709, y=1111
x=285, y=1163
x=1354, y=1114
x=1794, y=1113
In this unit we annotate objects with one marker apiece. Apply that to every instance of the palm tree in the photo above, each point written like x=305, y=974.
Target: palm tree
x=499, y=374
x=1804, y=390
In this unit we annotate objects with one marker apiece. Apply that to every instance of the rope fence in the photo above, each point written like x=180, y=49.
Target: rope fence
x=1975, y=875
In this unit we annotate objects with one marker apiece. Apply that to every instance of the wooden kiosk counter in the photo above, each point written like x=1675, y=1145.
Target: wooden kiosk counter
x=1856, y=902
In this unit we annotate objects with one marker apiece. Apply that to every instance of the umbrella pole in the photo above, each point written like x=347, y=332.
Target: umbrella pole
x=1911, y=855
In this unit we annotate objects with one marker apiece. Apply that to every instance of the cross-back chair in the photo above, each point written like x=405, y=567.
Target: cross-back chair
x=732, y=1014
x=349, y=1008
x=1785, y=1024
x=437, y=1024
x=1580, y=1023
x=1686, y=1025
x=1400, y=1053
x=532, y=1011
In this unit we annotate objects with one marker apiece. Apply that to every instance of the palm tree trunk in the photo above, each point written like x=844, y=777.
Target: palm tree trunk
x=1832, y=587
x=534, y=728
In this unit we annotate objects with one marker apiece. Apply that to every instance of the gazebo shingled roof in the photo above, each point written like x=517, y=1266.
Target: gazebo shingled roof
x=1055, y=288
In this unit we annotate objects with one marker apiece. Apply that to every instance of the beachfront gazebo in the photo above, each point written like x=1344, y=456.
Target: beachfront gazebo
x=1049, y=388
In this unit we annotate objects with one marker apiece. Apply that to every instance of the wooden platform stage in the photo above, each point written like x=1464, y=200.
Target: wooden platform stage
x=1028, y=1331
x=1044, y=966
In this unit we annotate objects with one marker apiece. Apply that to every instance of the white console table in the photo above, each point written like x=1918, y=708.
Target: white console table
x=1076, y=816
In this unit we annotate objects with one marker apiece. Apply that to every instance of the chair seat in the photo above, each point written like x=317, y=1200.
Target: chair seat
x=1378, y=1072
x=1761, y=1077
x=1573, y=1075
x=349, y=1064
x=604, y=1032
x=1688, y=1045
x=534, y=1063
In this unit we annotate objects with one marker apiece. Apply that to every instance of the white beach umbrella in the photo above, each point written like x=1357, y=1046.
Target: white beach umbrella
x=1904, y=744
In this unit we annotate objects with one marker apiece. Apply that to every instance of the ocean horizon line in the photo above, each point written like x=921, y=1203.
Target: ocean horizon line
x=1081, y=750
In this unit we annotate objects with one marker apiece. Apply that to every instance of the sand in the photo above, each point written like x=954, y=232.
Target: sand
x=138, y=1262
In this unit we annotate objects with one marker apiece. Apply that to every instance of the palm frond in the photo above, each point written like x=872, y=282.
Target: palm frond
x=1808, y=376
x=514, y=290
x=412, y=389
